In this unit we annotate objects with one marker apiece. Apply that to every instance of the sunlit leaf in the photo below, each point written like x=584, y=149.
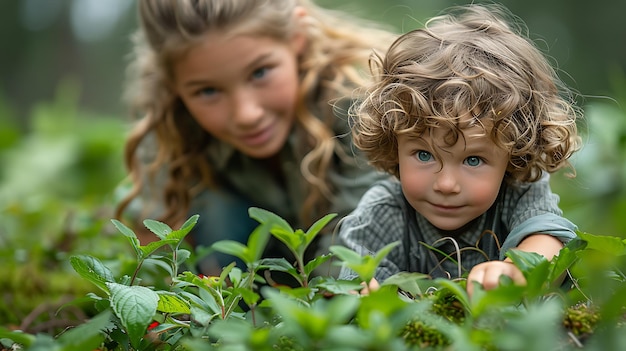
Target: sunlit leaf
x=171, y=303
x=153, y=246
x=158, y=228
x=91, y=269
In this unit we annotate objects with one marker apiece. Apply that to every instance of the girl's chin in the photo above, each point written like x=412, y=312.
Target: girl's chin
x=263, y=151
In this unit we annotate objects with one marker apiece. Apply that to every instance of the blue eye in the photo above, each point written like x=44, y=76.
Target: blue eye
x=424, y=156
x=207, y=91
x=473, y=161
x=259, y=73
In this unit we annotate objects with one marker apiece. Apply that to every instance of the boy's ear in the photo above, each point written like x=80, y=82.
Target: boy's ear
x=299, y=40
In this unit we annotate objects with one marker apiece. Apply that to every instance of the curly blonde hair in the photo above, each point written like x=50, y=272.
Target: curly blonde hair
x=336, y=57
x=474, y=59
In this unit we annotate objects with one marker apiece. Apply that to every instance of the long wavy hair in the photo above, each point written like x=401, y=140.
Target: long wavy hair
x=335, y=59
x=474, y=59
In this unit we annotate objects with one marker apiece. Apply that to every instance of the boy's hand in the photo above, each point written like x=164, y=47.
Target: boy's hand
x=367, y=288
x=488, y=274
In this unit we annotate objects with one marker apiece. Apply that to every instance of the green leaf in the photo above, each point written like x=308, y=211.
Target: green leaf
x=249, y=296
x=182, y=255
x=160, y=229
x=264, y=216
x=335, y=286
x=153, y=246
x=135, y=306
x=407, y=281
x=525, y=261
x=536, y=270
x=315, y=320
x=171, y=303
x=189, y=224
x=279, y=265
x=92, y=270
x=180, y=234
x=342, y=307
x=384, y=301
x=231, y=247
x=317, y=227
x=233, y=333
x=565, y=259
x=86, y=336
x=18, y=337
x=457, y=290
x=132, y=237
x=538, y=328
x=321, y=223
x=611, y=245
x=314, y=263
x=256, y=243
x=294, y=240
x=364, y=266
x=504, y=295
x=345, y=254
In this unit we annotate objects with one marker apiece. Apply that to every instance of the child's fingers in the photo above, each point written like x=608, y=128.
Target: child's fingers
x=367, y=288
x=488, y=275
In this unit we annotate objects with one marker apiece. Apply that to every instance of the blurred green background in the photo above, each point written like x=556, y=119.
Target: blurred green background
x=63, y=125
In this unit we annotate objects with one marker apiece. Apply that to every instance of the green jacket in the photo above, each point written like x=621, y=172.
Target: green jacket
x=252, y=178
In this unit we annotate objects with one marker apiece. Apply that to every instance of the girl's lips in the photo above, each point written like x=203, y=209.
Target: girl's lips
x=258, y=138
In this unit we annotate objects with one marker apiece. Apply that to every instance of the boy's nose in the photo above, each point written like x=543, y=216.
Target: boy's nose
x=446, y=181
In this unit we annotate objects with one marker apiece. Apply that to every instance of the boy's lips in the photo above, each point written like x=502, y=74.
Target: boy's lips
x=445, y=207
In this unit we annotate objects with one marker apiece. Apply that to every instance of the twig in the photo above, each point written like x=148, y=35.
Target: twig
x=575, y=339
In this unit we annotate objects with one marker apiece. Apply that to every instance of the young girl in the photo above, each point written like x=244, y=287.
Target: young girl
x=239, y=105
x=470, y=118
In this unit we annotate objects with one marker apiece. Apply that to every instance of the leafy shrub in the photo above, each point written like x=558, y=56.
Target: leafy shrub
x=243, y=310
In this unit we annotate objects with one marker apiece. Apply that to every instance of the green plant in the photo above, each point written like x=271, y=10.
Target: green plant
x=240, y=310
x=56, y=181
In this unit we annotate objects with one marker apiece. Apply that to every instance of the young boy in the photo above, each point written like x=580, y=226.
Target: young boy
x=470, y=118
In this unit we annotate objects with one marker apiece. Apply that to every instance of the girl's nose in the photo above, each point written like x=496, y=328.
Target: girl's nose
x=446, y=181
x=247, y=110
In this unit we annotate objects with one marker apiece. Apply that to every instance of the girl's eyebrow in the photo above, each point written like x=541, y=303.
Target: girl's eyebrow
x=258, y=60
x=197, y=83
x=248, y=67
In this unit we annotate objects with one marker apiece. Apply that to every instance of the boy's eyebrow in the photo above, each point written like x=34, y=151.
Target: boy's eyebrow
x=479, y=144
x=414, y=137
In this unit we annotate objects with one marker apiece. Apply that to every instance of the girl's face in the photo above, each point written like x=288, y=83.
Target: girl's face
x=459, y=187
x=242, y=89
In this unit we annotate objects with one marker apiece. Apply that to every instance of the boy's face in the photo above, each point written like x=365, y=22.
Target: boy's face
x=241, y=89
x=460, y=186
